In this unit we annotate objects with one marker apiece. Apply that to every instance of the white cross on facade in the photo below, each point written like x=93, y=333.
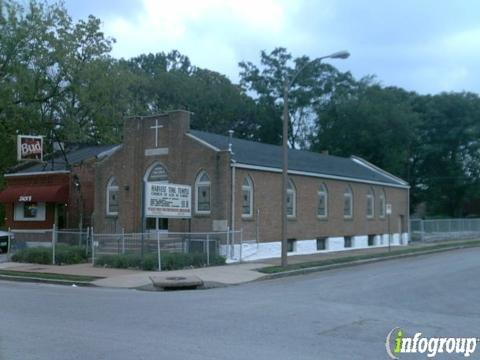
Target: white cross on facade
x=156, y=127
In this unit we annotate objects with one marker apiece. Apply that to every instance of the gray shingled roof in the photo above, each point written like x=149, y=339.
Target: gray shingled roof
x=74, y=157
x=260, y=154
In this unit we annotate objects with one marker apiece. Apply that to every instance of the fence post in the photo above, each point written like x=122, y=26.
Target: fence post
x=241, y=243
x=93, y=247
x=89, y=239
x=227, y=248
x=123, y=241
x=54, y=240
x=158, y=252
x=257, y=227
x=9, y=240
x=422, y=230
x=208, y=249
x=232, y=240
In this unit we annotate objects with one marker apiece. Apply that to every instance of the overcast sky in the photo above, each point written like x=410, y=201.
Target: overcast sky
x=427, y=46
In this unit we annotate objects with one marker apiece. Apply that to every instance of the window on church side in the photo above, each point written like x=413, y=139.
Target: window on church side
x=112, y=197
x=348, y=203
x=381, y=206
x=370, y=203
x=202, y=194
x=291, y=200
x=247, y=197
x=322, y=210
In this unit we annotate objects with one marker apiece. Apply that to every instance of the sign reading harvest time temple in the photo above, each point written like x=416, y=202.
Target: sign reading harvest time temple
x=167, y=200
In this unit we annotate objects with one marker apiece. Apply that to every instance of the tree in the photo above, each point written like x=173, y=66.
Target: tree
x=449, y=155
x=47, y=73
x=163, y=82
x=313, y=86
x=372, y=122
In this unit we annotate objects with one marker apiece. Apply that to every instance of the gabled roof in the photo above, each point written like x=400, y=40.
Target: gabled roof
x=263, y=155
x=74, y=157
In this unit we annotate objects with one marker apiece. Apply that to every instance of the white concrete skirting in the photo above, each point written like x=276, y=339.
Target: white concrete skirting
x=252, y=251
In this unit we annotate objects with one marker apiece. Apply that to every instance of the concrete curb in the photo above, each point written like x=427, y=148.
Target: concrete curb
x=34, y=279
x=313, y=269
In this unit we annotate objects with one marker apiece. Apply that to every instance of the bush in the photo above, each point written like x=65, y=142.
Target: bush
x=34, y=256
x=170, y=261
x=64, y=255
x=67, y=255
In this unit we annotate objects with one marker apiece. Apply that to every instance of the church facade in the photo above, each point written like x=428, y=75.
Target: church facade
x=333, y=203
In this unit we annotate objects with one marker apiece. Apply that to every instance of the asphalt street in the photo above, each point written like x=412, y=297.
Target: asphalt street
x=338, y=314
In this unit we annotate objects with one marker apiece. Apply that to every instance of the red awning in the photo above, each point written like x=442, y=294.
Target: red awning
x=42, y=193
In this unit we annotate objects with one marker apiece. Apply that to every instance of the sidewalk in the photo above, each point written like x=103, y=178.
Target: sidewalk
x=123, y=278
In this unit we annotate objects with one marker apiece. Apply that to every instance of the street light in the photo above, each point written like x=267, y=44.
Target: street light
x=286, y=88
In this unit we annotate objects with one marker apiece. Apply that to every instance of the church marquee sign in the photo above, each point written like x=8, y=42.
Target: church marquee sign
x=168, y=200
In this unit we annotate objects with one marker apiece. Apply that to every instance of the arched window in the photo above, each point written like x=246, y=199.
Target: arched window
x=156, y=173
x=112, y=197
x=247, y=197
x=322, y=209
x=291, y=199
x=202, y=193
x=370, y=203
x=381, y=205
x=348, y=202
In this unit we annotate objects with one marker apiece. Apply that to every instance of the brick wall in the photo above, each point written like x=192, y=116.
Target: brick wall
x=306, y=224
x=186, y=158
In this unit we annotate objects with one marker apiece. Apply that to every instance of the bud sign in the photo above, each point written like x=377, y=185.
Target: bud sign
x=29, y=147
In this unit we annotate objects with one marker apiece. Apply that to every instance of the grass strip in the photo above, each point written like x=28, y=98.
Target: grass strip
x=347, y=259
x=48, y=276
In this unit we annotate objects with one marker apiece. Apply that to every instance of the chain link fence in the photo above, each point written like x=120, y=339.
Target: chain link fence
x=206, y=246
x=49, y=238
x=444, y=229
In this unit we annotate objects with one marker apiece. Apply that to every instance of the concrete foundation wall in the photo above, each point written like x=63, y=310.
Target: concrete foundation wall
x=252, y=251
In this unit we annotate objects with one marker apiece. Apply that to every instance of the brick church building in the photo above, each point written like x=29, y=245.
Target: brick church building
x=333, y=203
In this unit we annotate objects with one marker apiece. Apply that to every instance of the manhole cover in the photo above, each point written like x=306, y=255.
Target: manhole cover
x=175, y=278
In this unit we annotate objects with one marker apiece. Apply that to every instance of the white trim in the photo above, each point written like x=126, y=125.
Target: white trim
x=38, y=173
x=108, y=153
x=202, y=142
x=370, y=166
x=317, y=175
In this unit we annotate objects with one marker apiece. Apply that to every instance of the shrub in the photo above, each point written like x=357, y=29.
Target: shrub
x=64, y=255
x=170, y=261
x=33, y=255
x=67, y=255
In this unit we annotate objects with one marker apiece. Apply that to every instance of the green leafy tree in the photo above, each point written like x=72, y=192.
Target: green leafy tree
x=313, y=84
x=163, y=82
x=449, y=155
